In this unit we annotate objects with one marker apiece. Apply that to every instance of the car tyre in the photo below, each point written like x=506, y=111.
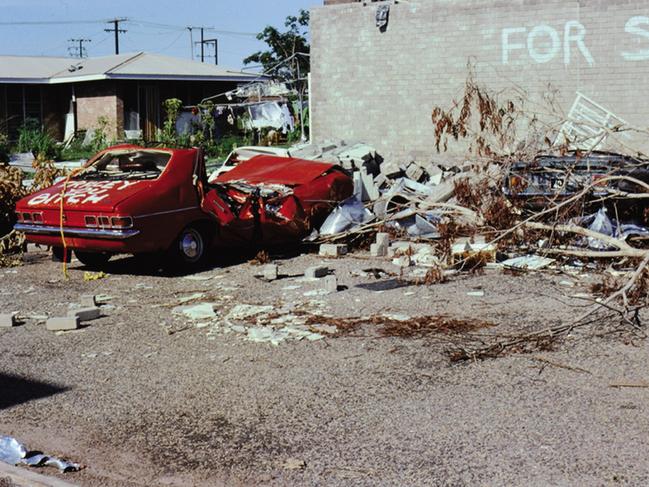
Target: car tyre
x=189, y=249
x=92, y=259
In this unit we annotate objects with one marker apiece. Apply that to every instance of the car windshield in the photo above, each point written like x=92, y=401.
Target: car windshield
x=138, y=164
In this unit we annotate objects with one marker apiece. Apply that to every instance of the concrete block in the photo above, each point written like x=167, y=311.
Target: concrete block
x=369, y=188
x=271, y=272
x=378, y=250
x=414, y=171
x=442, y=192
x=380, y=180
x=391, y=170
x=85, y=314
x=7, y=320
x=88, y=301
x=62, y=324
x=383, y=239
x=331, y=284
x=333, y=250
x=316, y=271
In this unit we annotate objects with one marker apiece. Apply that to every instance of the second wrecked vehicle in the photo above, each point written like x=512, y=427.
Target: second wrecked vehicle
x=129, y=199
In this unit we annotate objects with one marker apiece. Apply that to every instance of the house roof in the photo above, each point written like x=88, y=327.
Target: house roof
x=138, y=66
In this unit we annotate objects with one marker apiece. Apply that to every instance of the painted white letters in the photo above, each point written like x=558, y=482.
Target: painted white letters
x=633, y=26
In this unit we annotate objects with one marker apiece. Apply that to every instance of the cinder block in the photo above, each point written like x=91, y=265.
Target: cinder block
x=414, y=171
x=271, y=272
x=316, y=272
x=63, y=323
x=86, y=314
x=7, y=320
x=333, y=250
x=383, y=239
x=331, y=284
x=378, y=250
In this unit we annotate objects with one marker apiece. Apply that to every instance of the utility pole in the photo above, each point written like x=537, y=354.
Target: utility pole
x=117, y=31
x=202, y=42
x=191, y=41
x=78, y=50
x=216, y=48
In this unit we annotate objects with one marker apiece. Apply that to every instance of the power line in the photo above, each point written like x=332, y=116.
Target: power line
x=53, y=22
x=116, y=30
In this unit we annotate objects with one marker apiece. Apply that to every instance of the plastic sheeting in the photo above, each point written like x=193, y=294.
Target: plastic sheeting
x=601, y=223
x=14, y=453
x=271, y=115
x=350, y=214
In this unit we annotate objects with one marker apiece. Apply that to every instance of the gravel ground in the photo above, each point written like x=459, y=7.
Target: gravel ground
x=143, y=396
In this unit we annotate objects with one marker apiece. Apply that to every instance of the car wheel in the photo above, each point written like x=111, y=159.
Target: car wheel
x=92, y=259
x=190, y=246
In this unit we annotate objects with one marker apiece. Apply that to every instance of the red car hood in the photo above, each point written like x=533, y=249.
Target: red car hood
x=84, y=195
x=275, y=170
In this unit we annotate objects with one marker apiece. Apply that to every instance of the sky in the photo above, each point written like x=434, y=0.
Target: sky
x=153, y=25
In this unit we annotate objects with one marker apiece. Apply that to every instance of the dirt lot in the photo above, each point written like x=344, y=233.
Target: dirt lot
x=144, y=396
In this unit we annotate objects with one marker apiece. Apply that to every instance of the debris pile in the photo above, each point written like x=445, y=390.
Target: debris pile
x=518, y=204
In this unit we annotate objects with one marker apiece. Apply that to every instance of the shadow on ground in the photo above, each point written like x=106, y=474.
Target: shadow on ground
x=16, y=390
x=158, y=266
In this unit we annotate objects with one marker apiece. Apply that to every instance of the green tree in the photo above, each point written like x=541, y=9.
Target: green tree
x=285, y=45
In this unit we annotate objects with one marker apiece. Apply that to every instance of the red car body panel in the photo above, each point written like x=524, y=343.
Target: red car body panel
x=266, y=200
x=276, y=170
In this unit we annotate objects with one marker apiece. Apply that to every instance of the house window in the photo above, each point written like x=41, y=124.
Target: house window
x=23, y=102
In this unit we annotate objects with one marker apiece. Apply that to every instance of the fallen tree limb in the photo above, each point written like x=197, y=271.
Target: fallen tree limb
x=495, y=349
x=612, y=241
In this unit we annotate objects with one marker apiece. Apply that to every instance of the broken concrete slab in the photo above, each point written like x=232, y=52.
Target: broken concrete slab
x=62, y=323
x=332, y=250
x=201, y=311
x=316, y=272
x=85, y=314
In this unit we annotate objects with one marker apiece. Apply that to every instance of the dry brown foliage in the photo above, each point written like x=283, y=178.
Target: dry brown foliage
x=479, y=114
x=261, y=258
x=418, y=326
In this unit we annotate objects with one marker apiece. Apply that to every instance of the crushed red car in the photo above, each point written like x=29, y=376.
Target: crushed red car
x=135, y=200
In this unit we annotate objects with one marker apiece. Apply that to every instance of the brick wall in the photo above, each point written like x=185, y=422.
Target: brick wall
x=100, y=99
x=380, y=87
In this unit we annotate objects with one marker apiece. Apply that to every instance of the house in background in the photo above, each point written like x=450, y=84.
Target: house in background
x=66, y=95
